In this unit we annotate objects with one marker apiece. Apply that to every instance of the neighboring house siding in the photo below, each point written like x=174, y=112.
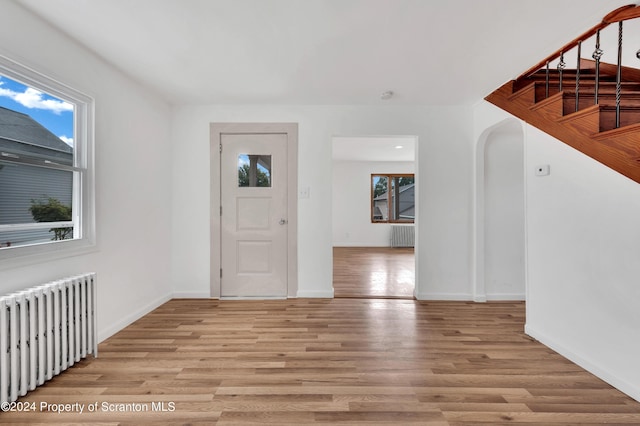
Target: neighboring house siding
x=20, y=184
x=408, y=202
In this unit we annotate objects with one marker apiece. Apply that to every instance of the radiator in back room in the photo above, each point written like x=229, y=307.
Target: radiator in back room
x=43, y=331
x=402, y=236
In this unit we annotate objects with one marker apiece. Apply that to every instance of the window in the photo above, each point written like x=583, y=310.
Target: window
x=46, y=178
x=254, y=170
x=393, y=198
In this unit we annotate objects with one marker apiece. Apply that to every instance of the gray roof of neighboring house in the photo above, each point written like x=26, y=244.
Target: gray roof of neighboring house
x=21, y=134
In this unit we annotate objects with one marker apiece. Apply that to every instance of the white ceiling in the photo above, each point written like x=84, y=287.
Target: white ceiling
x=429, y=52
x=374, y=148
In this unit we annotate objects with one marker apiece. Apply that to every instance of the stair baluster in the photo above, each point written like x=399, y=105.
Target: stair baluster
x=561, y=66
x=546, y=82
x=619, y=75
x=578, y=75
x=597, y=55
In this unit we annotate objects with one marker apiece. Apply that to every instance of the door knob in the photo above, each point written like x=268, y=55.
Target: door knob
x=283, y=221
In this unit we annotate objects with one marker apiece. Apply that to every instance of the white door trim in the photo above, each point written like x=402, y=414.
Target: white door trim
x=291, y=130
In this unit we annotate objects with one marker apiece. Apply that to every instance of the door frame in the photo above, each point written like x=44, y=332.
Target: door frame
x=291, y=130
x=416, y=166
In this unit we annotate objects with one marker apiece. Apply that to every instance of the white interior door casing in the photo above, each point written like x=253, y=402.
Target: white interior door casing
x=254, y=228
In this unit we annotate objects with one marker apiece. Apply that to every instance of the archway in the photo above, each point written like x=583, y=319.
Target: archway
x=499, y=261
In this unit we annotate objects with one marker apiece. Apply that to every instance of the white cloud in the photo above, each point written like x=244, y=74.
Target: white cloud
x=32, y=98
x=68, y=141
x=243, y=159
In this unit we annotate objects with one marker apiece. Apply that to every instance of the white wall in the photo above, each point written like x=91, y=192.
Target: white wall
x=582, y=251
x=443, y=173
x=583, y=233
x=133, y=199
x=352, y=225
x=504, y=213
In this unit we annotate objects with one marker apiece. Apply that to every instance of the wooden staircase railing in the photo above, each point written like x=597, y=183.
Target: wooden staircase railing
x=594, y=107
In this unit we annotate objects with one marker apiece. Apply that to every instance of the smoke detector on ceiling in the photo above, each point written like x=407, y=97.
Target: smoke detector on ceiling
x=386, y=95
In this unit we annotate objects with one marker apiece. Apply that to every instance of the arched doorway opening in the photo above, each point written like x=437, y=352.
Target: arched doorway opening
x=499, y=260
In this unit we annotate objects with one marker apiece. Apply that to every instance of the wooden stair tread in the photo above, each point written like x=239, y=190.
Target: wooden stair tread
x=566, y=80
x=629, y=101
x=605, y=88
x=567, y=72
x=600, y=118
x=629, y=115
x=550, y=100
x=570, y=79
x=632, y=129
x=551, y=107
x=603, y=84
x=594, y=109
x=521, y=91
x=607, y=94
x=612, y=107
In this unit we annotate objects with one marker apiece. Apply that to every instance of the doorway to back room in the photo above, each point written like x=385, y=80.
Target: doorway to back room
x=374, y=216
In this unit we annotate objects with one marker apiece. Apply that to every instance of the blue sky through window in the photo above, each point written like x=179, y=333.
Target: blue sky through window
x=54, y=114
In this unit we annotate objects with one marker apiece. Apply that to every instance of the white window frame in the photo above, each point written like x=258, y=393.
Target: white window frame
x=84, y=177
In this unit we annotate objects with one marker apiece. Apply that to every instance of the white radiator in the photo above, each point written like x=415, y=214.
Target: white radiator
x=402, y=236
x=43, y=331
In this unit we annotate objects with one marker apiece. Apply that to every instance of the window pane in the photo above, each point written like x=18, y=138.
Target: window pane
x=33, y=236
x=404, y=198
x=393, y=198
x=34, y=123
x=254, y=170
x=29, y=195
x=380, y=207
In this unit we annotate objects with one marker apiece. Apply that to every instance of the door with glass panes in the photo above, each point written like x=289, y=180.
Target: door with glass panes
x=253, y=221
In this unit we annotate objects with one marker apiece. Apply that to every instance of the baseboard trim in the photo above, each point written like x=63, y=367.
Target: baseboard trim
x=362, y=245
x=113, y=328
x=616, y=381
x=191, y=295
x=253, y=298
x=505, y=297
x=315, y=294
x=445, y=296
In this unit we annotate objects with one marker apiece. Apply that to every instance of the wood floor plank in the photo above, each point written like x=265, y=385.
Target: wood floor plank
x=381, y=272
x=340, y=361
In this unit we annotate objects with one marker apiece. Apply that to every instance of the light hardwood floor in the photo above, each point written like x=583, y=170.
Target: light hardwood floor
x=321, y=361
x=373, y=272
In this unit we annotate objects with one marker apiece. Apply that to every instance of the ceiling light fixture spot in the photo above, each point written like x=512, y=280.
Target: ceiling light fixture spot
x=386, y=95
x=399, y=147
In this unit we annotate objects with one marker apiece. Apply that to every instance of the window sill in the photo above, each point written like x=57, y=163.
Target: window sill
x=18, y=257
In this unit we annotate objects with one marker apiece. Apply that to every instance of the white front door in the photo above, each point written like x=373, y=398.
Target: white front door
x=253, y=221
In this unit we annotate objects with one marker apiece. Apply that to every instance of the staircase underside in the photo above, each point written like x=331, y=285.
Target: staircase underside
x=592, y=128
